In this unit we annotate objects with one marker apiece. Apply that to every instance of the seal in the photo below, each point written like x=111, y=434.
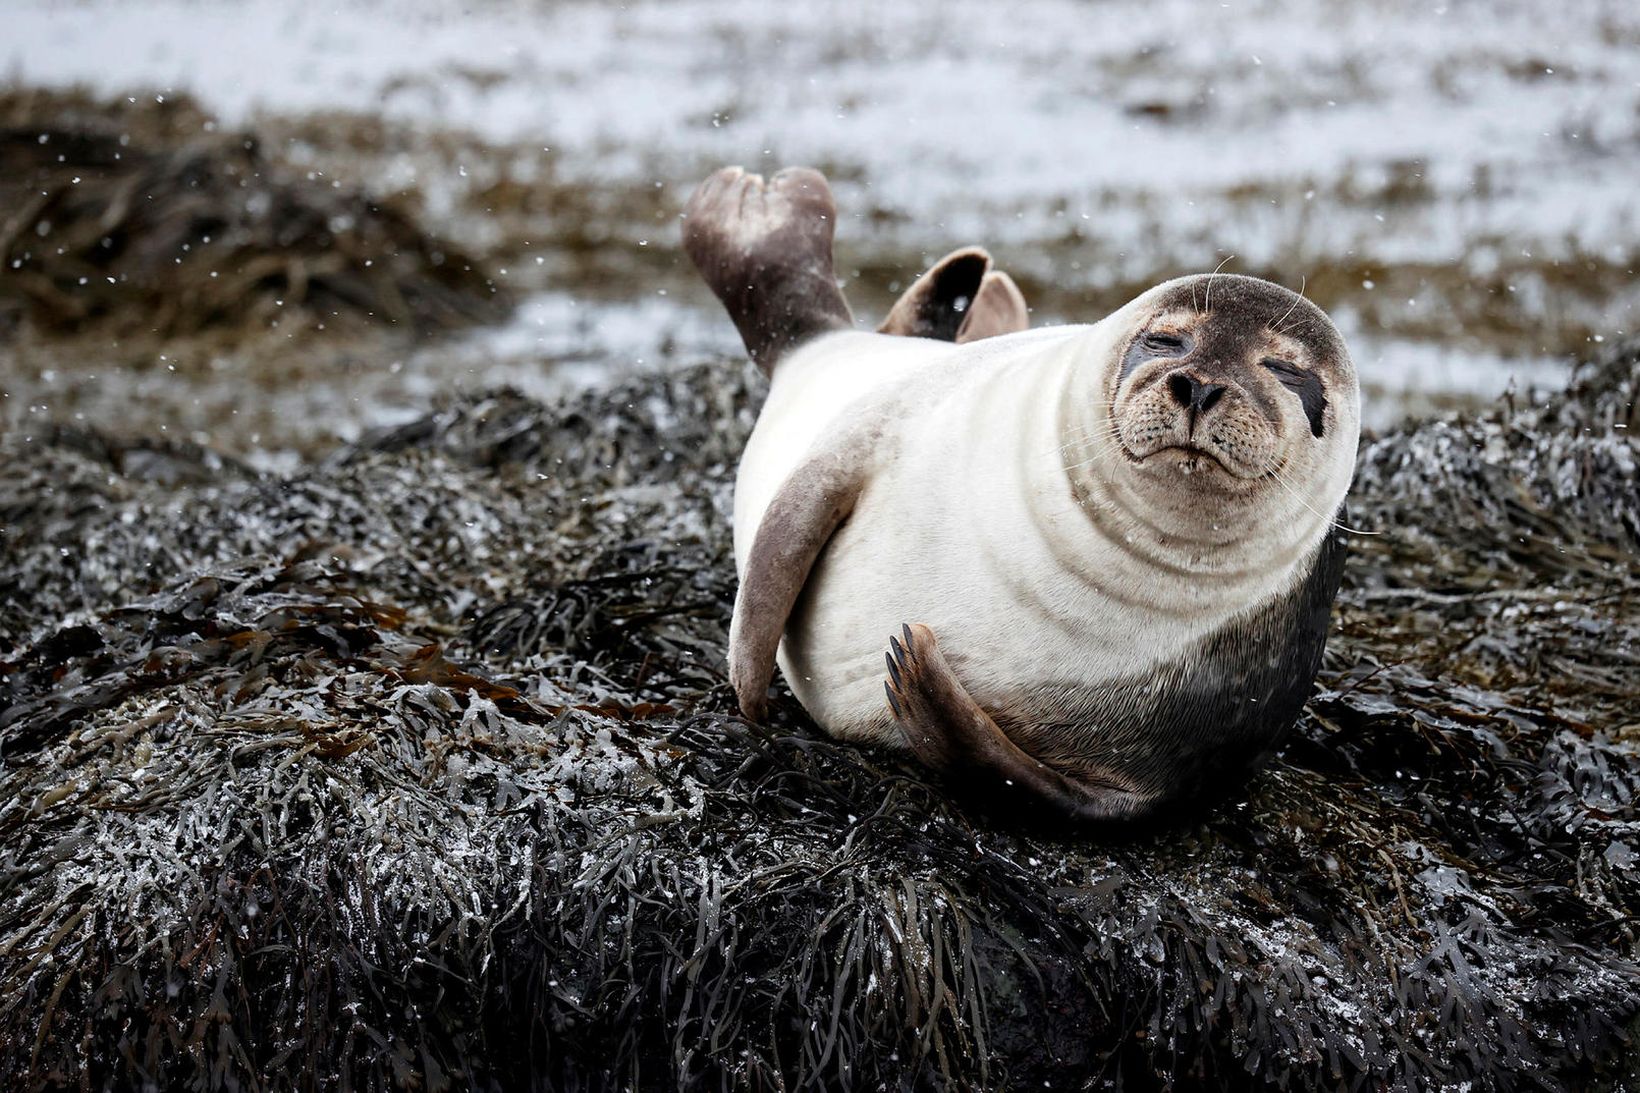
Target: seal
x=1103, y=557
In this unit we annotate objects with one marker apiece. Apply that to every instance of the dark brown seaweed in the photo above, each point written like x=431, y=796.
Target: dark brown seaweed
x=418, y=769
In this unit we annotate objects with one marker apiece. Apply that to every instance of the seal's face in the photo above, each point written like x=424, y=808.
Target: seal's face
x=1234, y=380
x=1212, y=423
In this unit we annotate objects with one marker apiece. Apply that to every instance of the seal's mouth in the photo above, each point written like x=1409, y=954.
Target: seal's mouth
x=1187, y=458
x=1190, y=453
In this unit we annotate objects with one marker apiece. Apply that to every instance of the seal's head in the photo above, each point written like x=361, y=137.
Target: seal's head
x=1223, y=400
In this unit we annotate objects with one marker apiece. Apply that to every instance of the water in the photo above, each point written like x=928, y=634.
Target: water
x=1453, y=182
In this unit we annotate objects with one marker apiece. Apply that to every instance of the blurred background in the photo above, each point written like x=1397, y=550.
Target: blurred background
x=266, y=227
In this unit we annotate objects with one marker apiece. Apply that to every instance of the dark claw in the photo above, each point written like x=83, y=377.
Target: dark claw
x=905, y=628
x=899, y=650
x=893, y=669
x=893, y=702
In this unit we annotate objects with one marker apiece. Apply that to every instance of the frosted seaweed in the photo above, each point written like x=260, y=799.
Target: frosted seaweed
x=417, y=768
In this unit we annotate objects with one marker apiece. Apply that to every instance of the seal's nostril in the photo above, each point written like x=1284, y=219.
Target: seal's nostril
x=1192, y=394
x=1182, y=388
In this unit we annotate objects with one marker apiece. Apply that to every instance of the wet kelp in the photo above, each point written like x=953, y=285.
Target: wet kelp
x=146, y=218
x=418, y=769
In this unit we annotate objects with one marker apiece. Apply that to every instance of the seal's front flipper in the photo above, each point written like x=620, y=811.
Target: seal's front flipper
x=961, y=299
x=952, y=735
x=795, y=528
x=765, y=250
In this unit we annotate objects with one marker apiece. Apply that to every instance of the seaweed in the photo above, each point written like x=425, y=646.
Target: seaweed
x=417, y=768
x=147, y=219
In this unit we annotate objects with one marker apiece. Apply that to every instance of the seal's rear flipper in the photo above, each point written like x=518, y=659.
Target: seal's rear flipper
x=998, y=309
x=936, y=305
x=960, y=299
x=951, y=734
x=765, y=250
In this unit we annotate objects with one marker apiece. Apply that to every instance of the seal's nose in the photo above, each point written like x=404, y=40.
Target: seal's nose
x=1192, y=394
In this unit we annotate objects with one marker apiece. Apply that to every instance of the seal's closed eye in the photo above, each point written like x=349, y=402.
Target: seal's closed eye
x=1307, y=385
x=1286, y=371
x=1154, y=345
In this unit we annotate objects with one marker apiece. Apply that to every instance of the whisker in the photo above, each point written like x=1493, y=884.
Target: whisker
x=1086, y=430
x=1209, y=296
x=1084, y=443
x=1275, y=473
x=1109, y=432
x=1081, y=433
x=1097, y=457
x=1303, y=282
x=1079, y=442
x=1110, y=445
